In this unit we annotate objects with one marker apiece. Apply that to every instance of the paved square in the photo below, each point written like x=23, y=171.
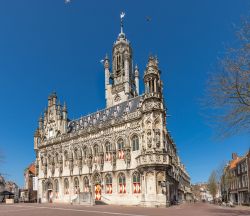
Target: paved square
x=198, y=209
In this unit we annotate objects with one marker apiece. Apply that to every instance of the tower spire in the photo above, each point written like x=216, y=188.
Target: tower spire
x=122, y=15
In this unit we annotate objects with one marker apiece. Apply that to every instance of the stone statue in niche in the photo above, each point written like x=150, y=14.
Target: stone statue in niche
x=89, y=161
x=114, y=159
x=149, y=138
x=102, y=161
x=53, y=170
x=128, y=157
x=60, y=169
x=45, y=170
x=157, y=138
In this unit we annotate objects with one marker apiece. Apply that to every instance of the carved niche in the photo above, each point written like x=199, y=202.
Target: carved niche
x=149, y=138
x=157, y=134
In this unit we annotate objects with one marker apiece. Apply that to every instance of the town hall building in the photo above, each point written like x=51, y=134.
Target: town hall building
x=123, y=154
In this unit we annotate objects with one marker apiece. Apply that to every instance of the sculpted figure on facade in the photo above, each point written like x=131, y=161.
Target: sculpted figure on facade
x=157, y=138
x=149, y=138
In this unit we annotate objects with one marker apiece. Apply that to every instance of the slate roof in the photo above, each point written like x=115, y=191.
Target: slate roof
x=105, y=115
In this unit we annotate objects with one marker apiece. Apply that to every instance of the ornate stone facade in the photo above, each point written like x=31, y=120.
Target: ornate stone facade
x=120, y=155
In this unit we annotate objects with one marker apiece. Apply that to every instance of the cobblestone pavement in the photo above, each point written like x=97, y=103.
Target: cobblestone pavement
x=198, y=209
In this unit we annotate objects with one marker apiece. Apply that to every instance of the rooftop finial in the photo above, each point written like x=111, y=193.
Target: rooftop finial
x=122, y=15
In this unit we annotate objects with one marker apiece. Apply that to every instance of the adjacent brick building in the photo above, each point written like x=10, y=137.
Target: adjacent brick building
x=236, y=180
x=28, y=194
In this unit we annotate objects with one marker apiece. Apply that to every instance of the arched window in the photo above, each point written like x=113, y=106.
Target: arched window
x=108, y=148
x=122, y=183
x=66, y=186
x=86, y=184
x=135, y=143
x=120, y=146
x=108, y=181
x=136, y=183
x=96, y=152
x=76, y=185
x=56, y=188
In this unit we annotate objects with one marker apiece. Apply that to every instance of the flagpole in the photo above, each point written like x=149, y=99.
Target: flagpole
x=121, y=16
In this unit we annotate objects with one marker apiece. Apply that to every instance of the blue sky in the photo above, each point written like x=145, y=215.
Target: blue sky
x=50, y=46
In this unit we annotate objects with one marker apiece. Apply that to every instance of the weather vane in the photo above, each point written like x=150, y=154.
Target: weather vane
x=122, y=15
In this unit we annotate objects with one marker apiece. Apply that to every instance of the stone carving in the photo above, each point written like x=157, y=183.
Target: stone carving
x=89, y=162
x=151, y=158
x=114, y=160
x=101, y=161
x=117, y=98
x=152, y=105
x=149, y=138
x=158, y=158
x=157, y=138
x=128, y=157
